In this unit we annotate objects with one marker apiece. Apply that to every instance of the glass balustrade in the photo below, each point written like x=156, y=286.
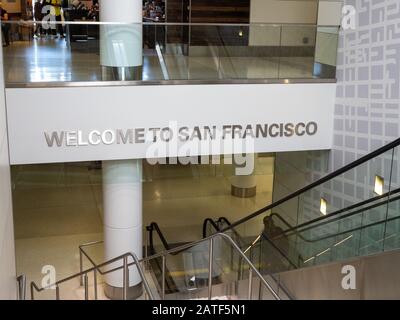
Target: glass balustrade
x=168, y=51
x=354, y=212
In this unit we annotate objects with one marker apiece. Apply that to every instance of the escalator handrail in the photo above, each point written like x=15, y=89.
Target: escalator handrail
x=212, y=222
x=319, y=182
x=154, y=226
x=217, y=227
x=170, y=283
x=225, y=220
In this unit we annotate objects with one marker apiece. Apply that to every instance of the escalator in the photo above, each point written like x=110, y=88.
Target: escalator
x=360, y=217
x=251, y=258
x=156, y=264
x=186, y=271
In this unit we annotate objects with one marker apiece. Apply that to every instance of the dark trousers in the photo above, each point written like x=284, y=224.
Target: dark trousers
x=5, y=29
x=38, y=27
x=59, y=27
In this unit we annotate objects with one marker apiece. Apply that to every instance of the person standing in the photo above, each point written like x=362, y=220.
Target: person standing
x=57, y=4
x=38, y=16
x=5, y=27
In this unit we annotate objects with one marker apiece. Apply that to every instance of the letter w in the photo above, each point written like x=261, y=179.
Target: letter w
x=55, y=137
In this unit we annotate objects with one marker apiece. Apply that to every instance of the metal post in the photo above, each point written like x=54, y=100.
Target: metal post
x=146, y=296
x=32, y=292
x=81, y=266
x=146, y=248
x=126, y=279
x=21, y=287
x=210, y=268
x=95, y=283
x=86, y=282
x=250, y=284
x=260, y=291
x=163, y=278
x=57, y=292
x=279, y=284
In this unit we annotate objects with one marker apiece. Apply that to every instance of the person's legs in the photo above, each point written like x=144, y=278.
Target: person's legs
x=60, y=28
x=53, y=28
x=6, y=34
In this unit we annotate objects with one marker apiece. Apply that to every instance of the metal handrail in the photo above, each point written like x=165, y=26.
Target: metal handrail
x=160, y=24
x=252, y=269
x=95, y=269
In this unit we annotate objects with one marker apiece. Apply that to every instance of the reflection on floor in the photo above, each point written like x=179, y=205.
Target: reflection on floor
x=46, y=60
x=58, y=207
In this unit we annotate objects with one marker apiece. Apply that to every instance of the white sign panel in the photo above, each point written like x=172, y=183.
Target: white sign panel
x=134, y=122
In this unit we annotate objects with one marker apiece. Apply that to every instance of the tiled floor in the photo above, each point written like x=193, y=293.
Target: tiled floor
x=58, y=207
x=41, y=60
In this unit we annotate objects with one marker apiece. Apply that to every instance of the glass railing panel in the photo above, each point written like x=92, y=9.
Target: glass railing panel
x=249, y=231
x=348, y=189
x=347, y=241
x=325, y=58
x=297, y=47
x=273, y=256
x=164, y=51
x=254, y=54
x=189, y=269
x=372, y=233
x=314, y=245
x=392, y=227
x=285, y=215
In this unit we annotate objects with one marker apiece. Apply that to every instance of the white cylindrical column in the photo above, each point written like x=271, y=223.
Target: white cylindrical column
x=121, y=45
x=122, y=206
x=244, y=185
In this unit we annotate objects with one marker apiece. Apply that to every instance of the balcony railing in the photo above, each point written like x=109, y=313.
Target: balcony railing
x=169, y=52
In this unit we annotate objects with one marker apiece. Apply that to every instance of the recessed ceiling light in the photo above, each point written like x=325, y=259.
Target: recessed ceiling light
x=379, y=181
x=324, y=207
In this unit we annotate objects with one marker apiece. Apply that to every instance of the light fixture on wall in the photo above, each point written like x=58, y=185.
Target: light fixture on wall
x=323, y=207
x=240, y=33
x=378, y=188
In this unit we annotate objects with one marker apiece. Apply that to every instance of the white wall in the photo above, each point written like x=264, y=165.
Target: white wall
x=329, y=12
x=7, y=252
x=106, y=108
x=277, y=11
